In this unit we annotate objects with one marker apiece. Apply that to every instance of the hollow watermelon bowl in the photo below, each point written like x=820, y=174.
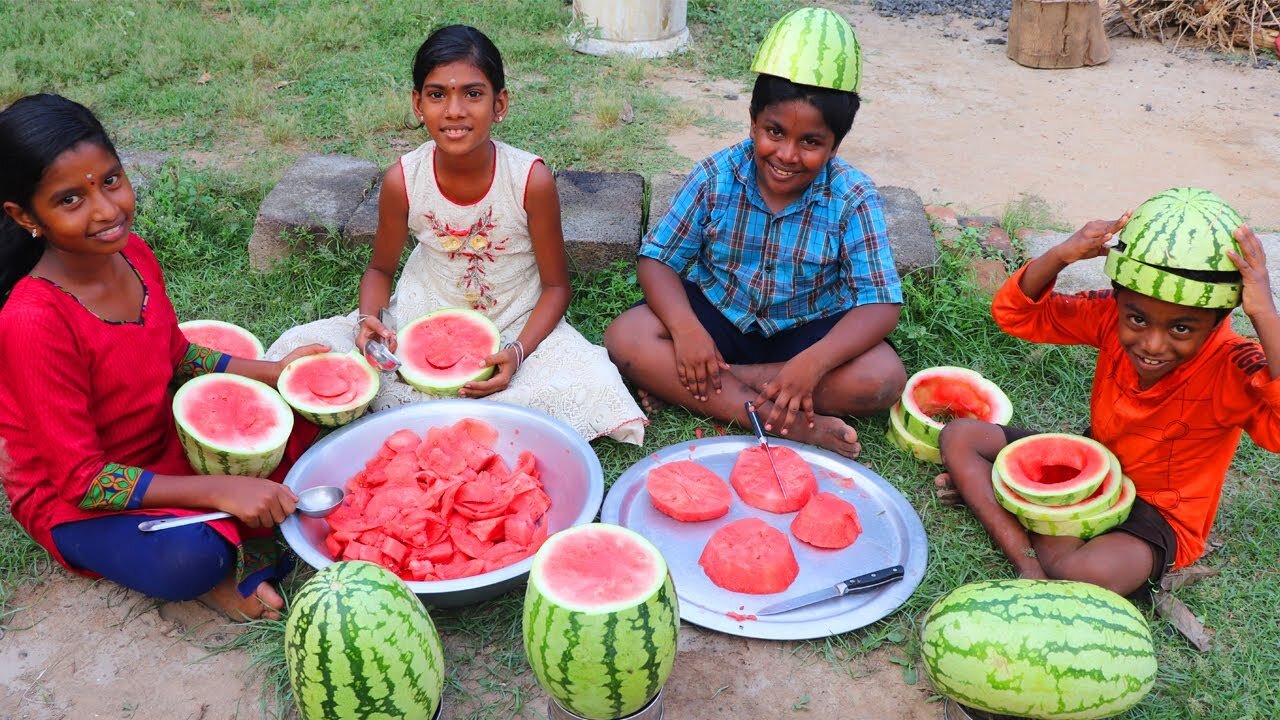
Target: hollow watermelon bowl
x=571, y=477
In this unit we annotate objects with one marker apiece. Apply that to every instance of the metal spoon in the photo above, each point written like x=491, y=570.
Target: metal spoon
x=375, y=352
x=316, y=502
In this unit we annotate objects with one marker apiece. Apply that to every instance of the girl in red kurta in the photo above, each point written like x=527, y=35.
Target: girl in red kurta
x=89, y=345
x=1173, y=390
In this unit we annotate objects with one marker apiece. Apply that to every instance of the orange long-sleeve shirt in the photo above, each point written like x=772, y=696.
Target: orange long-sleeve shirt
x=1175, y=439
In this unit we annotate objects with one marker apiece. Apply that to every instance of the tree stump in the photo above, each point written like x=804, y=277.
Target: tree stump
x=1057, y=33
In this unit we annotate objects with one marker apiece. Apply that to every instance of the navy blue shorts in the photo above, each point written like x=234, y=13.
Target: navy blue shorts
x=753, y=348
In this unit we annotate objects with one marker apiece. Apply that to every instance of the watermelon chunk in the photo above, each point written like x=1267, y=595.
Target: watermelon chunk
x=827, y=521
x=688, y=492
x=752, y=477
x=750, y=556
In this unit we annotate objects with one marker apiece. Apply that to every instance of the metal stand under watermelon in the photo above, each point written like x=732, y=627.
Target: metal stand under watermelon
x=651, y=711
x=952, y=710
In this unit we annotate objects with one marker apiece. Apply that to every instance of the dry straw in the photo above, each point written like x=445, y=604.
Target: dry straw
x=1251, y=25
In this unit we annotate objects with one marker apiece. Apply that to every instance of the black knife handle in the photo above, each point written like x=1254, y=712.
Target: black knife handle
x=884, y=576
x=755, y=420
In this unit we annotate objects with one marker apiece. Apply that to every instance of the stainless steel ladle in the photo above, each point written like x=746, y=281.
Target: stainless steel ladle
x=316, y=502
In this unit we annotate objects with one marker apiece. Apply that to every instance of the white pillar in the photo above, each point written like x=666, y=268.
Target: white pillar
x=640, y=28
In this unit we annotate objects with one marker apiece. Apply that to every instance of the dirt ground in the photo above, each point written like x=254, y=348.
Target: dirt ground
x=946, y=114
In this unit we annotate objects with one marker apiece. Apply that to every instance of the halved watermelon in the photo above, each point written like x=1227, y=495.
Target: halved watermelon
x=827, y=521
x=750, y=556
x=224, y=337
x=1054, y=468
x=752, y=477
x=688, y=491
x=231, y=425
x=1092, y=526
x=443, y=350
x=1100, y=500
x=902, y=439
x=935, y=396
x=329, y=389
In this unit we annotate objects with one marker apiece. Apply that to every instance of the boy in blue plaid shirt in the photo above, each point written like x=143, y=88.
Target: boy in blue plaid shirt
x=770, y=279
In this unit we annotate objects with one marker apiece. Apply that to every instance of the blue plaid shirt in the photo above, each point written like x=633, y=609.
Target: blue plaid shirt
x=826, y=252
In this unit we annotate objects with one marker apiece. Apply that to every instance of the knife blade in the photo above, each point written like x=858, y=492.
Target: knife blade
x=861, y=583
x=764, y=443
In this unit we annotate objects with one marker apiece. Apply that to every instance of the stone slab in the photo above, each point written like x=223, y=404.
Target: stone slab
x=910, y=236
x=315, y=198
x=662, y=188
x=142, y=166
x=363, y=223
x=601, y=216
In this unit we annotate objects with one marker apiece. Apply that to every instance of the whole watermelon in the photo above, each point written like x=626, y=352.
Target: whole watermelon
x=1043, y=649
x=360, y=646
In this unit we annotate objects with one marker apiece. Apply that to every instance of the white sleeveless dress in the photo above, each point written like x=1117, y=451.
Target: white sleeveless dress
x=480, y=256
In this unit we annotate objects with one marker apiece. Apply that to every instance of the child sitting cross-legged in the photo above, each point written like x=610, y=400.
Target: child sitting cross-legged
x=1173, y=389
x=770, y=279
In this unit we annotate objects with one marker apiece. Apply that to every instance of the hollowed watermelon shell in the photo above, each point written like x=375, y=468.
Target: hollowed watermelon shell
x=1054, y=468
x=224, y=337
x=329, y=389
x=1101, y=499
x=231, y=425
x=688, y=492
x=444, y=350
x=905, y=441
x=753, y=479
x=750, y=556
x=1044, y=649
x=600, y=620
x=359, y=644
x=1085, y=528
x=935, y=396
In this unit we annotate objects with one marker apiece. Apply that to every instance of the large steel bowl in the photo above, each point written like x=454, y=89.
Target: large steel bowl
x=570, y=471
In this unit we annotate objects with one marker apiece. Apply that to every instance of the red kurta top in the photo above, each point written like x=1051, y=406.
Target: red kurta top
x=85, y=407
x=1175, y=439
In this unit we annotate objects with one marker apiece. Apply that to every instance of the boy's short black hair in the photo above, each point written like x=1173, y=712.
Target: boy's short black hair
x=838, y=107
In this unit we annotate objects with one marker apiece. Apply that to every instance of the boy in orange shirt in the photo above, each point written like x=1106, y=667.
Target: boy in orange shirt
x=1173, y=389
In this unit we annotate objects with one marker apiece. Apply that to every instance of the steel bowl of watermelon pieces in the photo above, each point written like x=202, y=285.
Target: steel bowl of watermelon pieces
x=571, y=476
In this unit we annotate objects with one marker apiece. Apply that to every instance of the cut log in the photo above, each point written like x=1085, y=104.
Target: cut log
x=1057, y=33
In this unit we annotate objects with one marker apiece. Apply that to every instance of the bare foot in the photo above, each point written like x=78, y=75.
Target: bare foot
x=650, y=403
x=827, y=432
x=947, y=493
x=225, y=598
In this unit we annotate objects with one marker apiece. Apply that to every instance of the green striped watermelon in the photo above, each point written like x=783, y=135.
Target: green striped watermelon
x=937, y=395
x=231, y=425
x=1042, y=649
x=329, y=389
x=1182, y=228
x=1053, y=468
x=1101, y=499
x=902, y=438
x=359, y=644
x=1092, y=525
x=600, y=620
x=444, y=350
x=812, y=46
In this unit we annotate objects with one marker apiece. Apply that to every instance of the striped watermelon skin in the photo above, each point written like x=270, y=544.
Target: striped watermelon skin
x=359, y=644
x=213, y=458
x=1186, y=228
x=601, y=665
x=985, y=401
x=207, y=460
x=1041, y=649
x=1088, y=527
x=1162, y=285
x=902, y=439
x=1017, y=462
x=1025, y=509
x=812, y=46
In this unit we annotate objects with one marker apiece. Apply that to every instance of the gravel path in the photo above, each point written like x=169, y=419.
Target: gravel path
x=986, y=9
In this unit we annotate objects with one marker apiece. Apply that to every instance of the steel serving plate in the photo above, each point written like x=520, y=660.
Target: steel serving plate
x=571, y=476
x=892, y=534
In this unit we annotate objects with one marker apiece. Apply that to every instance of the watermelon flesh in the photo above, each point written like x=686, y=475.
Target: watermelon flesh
x=224, y=337
x=1053, y=468
x=442, y=351
x=1100, y=500
x=753, y=479
x=827, y=521
x=750, y=556
x=938, y=395
x=441, y=507
x=231, y=425
x=329, y=389
x=688, y=492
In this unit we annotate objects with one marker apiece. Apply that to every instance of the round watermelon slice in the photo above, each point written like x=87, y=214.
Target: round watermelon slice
x=329, y=389
x=753, y=479
x=1093, y=525
x=224, y=337
x=900, y=438
x=600, y=620
x=1100, y=500
x=935, y=396
x=750, y=556
x=1054, y=468
x=688, y=492
x=827, y=521
x=444, y=350
x=231, y=425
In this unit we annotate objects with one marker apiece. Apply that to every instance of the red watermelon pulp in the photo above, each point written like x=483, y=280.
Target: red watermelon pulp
x=441, y=507
x=827, y=521
x=444, y=350
x=224, y=337
x=231, y=425
x=750, y=556
x=752, y=476
x=688, y=492
x=329, y=389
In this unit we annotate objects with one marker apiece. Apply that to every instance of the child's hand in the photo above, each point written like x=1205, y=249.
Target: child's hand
x=273, y=374
x=791, y=392
x=504, y=364
x=698, y=362
x=1090, y=241
x=372, y=328
x=256, y=502
x=1252, y=262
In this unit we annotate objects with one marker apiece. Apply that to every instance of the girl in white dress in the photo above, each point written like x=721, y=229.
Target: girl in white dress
x=486, y=220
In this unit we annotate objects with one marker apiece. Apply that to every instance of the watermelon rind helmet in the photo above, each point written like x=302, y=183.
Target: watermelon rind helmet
x=812, y=46
x=1179, y=229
